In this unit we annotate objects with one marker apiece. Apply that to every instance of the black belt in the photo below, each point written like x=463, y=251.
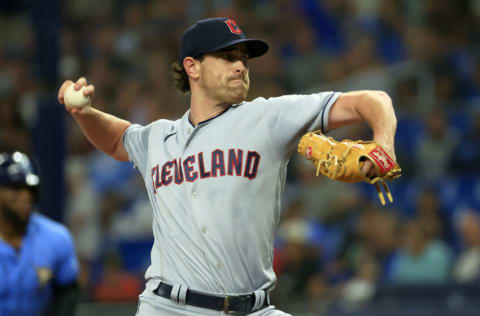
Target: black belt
x=228, y=303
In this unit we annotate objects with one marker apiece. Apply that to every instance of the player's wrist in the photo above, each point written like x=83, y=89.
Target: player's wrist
x=84, y=111
x=387, y=143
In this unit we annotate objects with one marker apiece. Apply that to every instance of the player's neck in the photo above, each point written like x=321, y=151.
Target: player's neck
x=9, y=234
x=203, y=109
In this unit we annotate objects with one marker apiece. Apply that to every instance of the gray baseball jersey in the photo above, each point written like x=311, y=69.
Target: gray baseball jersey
x=216, y=188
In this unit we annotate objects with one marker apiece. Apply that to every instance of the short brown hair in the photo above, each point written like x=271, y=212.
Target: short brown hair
x=180, y=77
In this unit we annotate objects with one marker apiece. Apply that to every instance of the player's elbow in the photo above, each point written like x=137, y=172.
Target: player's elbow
x=360, y=99
x=119, y=153
x=381, y=106
x=379, y=100
x=117, y=150
x=385, y=98
x=377, y=96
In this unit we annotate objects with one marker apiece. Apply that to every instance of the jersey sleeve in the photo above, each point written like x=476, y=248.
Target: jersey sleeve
x=135, y=141
x=290, y=116
x=66, y=268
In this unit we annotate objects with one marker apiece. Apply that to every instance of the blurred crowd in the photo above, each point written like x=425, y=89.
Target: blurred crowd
x=335, y=244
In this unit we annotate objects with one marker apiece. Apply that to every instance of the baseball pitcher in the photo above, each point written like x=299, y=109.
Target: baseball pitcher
x=215, y=176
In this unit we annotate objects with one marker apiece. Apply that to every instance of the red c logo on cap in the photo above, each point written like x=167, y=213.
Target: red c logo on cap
x=233, y=27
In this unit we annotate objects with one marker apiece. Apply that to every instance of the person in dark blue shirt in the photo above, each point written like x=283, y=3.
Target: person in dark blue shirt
x=38, y=264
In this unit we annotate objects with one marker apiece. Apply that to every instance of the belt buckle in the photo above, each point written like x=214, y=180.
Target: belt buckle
x=226, y=304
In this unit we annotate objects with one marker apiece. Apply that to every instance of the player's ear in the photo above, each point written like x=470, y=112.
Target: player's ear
x=192, y=67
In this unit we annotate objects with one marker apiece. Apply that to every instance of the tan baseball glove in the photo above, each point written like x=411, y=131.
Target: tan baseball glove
x=343, y=160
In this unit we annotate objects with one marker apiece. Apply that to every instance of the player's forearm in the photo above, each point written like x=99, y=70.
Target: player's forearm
x=375, y=108
x=104, y=131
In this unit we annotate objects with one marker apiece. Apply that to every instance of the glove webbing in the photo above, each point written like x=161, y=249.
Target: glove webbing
x=326, y=163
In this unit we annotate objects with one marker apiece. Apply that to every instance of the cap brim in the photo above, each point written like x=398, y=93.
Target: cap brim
x=255, y=47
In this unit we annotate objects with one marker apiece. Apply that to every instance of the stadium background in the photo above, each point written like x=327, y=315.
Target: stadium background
x=338, y=252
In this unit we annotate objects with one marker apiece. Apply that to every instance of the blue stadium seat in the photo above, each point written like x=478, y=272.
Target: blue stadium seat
x=409, y=132
x=405, y=193
x=461, y=121
x=135, y=254
x=475, y=194
x=449, y=193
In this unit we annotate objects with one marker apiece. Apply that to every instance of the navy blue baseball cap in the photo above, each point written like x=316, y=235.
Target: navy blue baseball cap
x=214, y=34
x=16, y=170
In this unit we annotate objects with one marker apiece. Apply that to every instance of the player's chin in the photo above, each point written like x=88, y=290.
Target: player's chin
x=238, y=95
x=18, y=216
x=238, y=99
x=23, y=212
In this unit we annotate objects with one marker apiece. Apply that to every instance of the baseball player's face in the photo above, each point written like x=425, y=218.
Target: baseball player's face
x=15, y=205
x=224, y=75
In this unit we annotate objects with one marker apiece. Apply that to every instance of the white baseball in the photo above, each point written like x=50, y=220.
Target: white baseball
x=75, y=98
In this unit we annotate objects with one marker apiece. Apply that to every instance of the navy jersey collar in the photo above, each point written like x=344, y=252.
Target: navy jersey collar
x=185, y=121
x=207, y=120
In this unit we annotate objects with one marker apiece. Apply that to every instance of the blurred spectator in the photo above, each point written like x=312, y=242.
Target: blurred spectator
x=297, y=256
x=389, y=31
x=421, y=259
x=319, y=295
x=467, y=266
x=435, y=148
x=128, y=41
x=83, y=217
x=362, y=55
x=116, y=284
x=13, y=133
x=375, y=238
x=361, y=288
x=135, y=221
x=324, y=199
x=305, y=66
x=111, y=204
x=467, y=153
x=430, y=215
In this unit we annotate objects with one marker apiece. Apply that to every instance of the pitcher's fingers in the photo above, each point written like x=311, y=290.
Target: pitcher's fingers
x=366, y=168
x=62, y=89
x=89, y=91
x=80, y=83
x=372, y=172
